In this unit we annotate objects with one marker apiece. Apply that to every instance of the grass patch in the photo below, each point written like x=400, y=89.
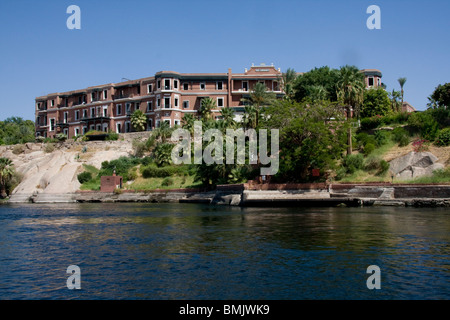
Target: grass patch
x=161, y=183
x=439, y=176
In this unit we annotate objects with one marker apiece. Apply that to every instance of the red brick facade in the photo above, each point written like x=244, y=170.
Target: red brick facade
x=167, y=96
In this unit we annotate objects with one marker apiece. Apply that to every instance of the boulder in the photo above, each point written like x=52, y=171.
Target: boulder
x=414, y=165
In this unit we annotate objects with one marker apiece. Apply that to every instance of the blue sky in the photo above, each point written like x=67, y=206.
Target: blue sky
x=136, y=38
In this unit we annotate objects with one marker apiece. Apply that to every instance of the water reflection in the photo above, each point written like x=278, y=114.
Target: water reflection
x=175, y=251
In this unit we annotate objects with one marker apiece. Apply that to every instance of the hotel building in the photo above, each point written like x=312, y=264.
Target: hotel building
x=166, y=96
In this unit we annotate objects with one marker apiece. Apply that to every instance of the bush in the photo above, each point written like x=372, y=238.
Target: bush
x=353, y=162
x=364, y=138
x=424, y=124
x=121, y=166
x=375, y=164
x=371, y=123
x=443, y=138
x=167, y=182
x=400, y=136
x=163, y=172
x=381, y=137
x=18, y=149
x=368, y=148
x=138, y=148
x=49, y=147
x=84, y=177
x=61, y=137
x=112, y=136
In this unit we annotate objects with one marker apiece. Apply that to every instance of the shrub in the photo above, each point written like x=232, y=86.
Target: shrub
x=112, y=136
x=443, y=138
x=49, y=147
x=400, y=136
x=368, y=148
x=371, y=123
x=381, y=137
x=61, y=137
x=364, y=138
x=138, y=148
x=167, y=182
x=377, y=165
x=424, y=124
x=18, y=149
x=353, y=162
x=152, y=171
x=84, y=177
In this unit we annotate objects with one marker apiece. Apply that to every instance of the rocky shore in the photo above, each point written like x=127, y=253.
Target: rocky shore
x=247, y=195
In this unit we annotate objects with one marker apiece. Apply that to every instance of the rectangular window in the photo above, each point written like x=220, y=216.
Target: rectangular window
x=158, y=84
x=185, y=86
x=220, y=102
x=92, y=96
x=85, y=129
x=370, y=82
x=186, y=104
x=92, y=112
x=105, y=94
x=85, y=114
x=149, y=106
x=77, y=132
x=245, y=85
x=119, y=109
x=150, y=125
x=77, y=114
x=149, y=88
x=158, y=102
x=219, y=85
x=128, y=108
x=66, y=117
x=166, y=102
x=175, y=102
x=202, y=86
x=167, y=84
x=175, y=84
x=52, y=124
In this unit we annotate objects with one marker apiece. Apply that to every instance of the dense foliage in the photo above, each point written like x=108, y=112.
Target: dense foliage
x=15, y=130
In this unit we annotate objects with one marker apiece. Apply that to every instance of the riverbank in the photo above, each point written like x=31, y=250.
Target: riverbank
x=270, y=195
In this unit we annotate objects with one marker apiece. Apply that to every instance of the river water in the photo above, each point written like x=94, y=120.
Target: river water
x=202, y=252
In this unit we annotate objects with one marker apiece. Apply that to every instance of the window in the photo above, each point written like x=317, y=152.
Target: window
x=186, y=104
x=118, y=127
x=158, y=102
x=166, y=102
x=52, y=124
x=119, y=109
x=158, y=84
x=105, y=94
x=66, y=117
x=77, y=132
x=220, y=102
x=85, y=114
x=80, y=98
x=175, y=102
x=150, y=125
x=66, y=131
x=105, y=111
x=92, y=96
x=128, y=108
x=92, y=127
x=175, y=84
x=245, y=85
x=77, y=114
x=167, y=84
x=99, y=127
x=92, y=112
x=149, y=88
x=127, y=126
x=52, y=103
x=85, y=129
x=370, y=81
x=176, y=122
x=202, y=86
x=219, y=85
x=149, y=106
x=185, y=86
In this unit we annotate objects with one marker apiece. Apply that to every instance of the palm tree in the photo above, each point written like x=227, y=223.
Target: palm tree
x=228, y=117
x=395, y=97
x=250, y=118
x=188, y=122
x=402, y=82
x=206, y=107
x=6, y=171
x=350, y=92
x=138, y=120
x=259, y=98
x=287, y=82
x=317, y=93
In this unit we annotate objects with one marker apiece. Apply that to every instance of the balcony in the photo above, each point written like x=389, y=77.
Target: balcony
x=96, y=116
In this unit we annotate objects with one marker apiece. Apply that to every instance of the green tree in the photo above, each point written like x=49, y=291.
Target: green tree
x=163, y=154
x=441, y=96
x=287, y=82
x=395, y=97
x=324, y=76
x=206, y=107
x=350, y=93
x=6, y=172
x=311, y=137
x=227, y=115
x=138, y=120
x=259, y=98
x=401, y=82
x=15, y=130
x=376, y=102
x=188, y=122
